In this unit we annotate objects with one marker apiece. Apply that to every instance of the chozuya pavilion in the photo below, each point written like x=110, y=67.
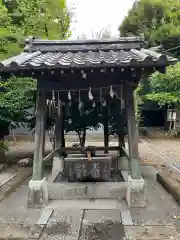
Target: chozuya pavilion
x=64, y=70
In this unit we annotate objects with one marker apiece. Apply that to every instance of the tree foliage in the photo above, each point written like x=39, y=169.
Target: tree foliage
x=43, y=18
x=19, y=19
x=10, y=44
x=17, y=98
x=158, y=21
x=165, y=88
x=81, y=120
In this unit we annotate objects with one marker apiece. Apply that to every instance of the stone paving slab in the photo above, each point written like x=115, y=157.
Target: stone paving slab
x=102, y=225
x=103, y=231
x=160, y=209
x=64, y=223
x=16, y=220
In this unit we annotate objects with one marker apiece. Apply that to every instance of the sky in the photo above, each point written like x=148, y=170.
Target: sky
x=96, y=15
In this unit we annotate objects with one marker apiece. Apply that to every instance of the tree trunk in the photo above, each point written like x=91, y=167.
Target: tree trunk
x=82, y=137
x=14, y=135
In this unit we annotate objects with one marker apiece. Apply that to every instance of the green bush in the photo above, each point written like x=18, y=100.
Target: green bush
x=3, y=146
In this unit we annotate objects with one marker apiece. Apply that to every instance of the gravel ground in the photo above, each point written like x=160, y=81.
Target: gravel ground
x=161, y=152
x=148, y=154
x=169, y=147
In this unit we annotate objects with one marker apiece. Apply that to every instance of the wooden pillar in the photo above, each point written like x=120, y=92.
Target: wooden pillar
x=39, y=136
x=58, y=161
x=106, y=130
x=106, y=137
x=123, y=163
x=132, y=132
x=121, y=130
x=121, y=122
x=121, y=143
x=58, y=126
x=63, y=127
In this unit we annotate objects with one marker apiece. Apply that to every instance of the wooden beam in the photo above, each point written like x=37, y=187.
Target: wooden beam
x=100, y=148
x=39, y=136
x=50, y=155
x=132, y=132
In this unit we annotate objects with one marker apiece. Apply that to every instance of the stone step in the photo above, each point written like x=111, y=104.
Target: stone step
x=112, y=190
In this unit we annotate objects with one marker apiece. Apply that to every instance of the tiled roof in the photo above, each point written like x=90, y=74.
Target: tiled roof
x=121, y=52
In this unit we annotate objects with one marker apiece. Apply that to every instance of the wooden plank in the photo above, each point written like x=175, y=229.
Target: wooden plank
x=45, y=216
x=126, y=218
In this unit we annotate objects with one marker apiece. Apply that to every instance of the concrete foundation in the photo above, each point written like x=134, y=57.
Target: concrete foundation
x=37, y=194
x=58, y=167
x=136, y=192
x=72, y=191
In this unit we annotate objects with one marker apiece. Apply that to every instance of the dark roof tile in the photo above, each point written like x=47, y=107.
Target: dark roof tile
x=67, y=54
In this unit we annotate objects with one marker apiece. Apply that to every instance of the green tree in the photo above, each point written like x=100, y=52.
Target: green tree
x=18, y=19
x=81, y=120
x=43, y=18
x=158, y=21
x=165, y=88
x=15, y=100
x=40, y=18
x=9, y=43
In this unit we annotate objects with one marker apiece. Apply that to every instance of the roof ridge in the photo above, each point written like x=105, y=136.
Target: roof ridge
x=35, y=44
x=33, y=40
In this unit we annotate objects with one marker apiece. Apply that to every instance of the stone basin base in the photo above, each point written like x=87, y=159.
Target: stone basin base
x=80, y=169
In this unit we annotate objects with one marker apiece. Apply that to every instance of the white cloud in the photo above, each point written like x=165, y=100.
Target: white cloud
x=98, y=14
